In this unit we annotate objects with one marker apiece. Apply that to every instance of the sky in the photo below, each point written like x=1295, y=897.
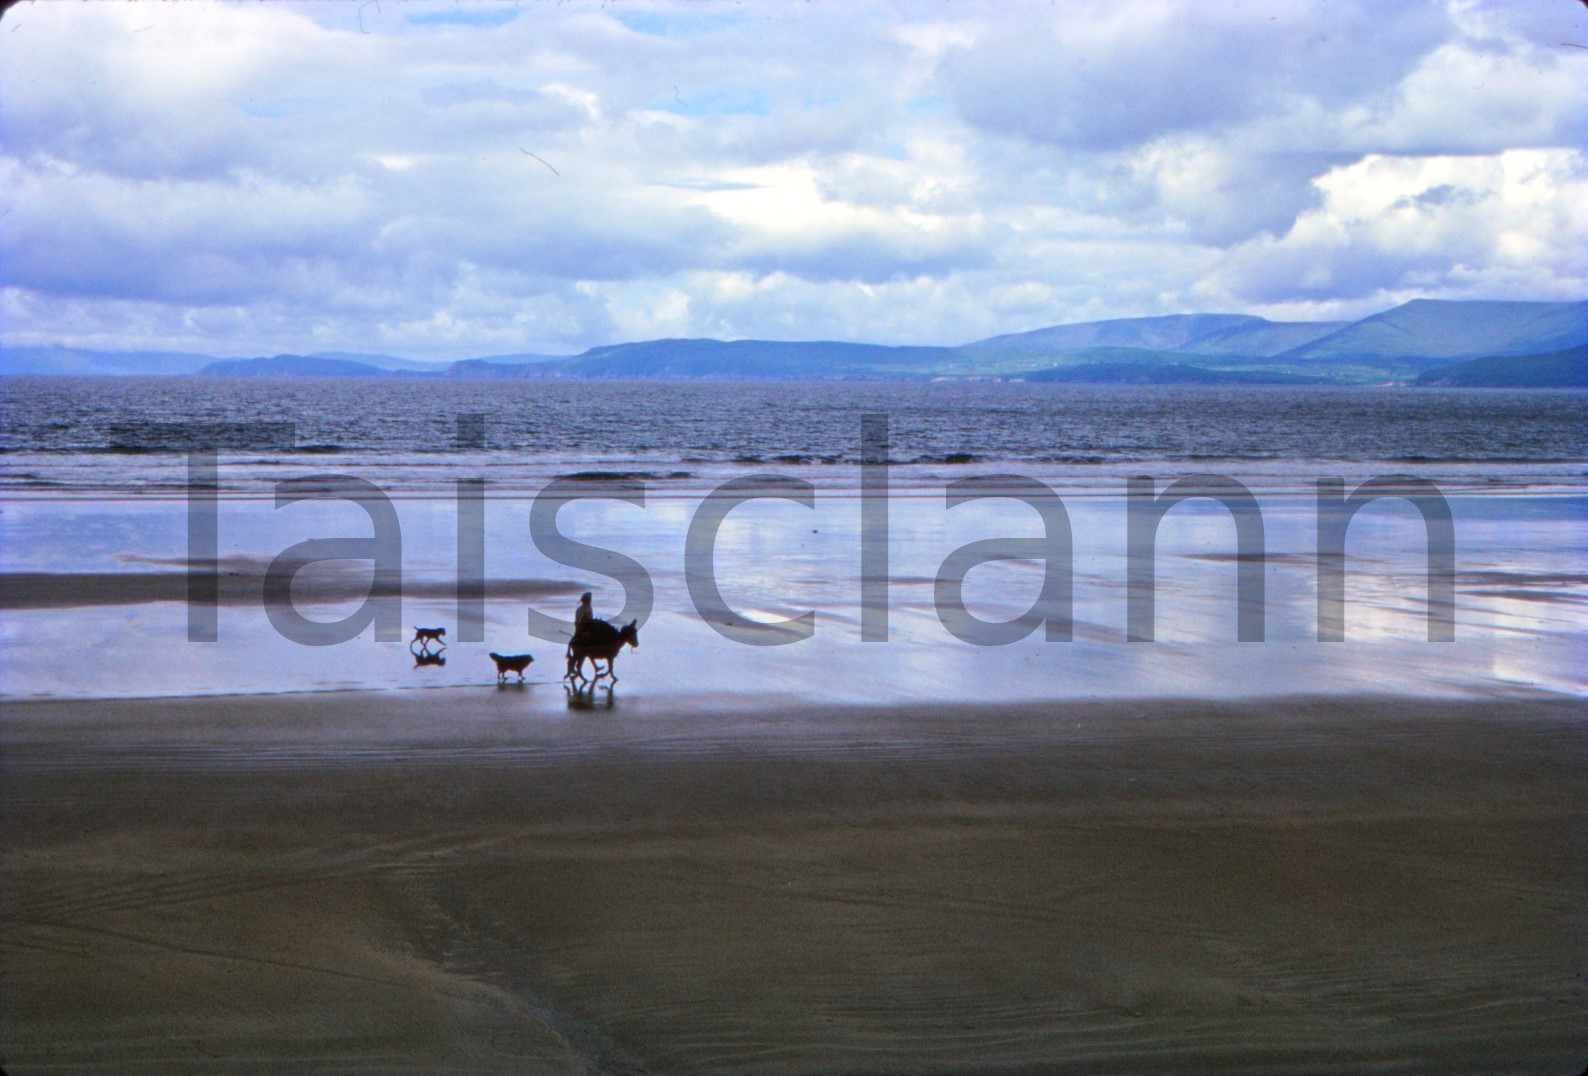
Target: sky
x=448, y=179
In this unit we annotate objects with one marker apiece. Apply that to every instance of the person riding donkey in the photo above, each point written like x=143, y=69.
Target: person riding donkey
x=597, y=641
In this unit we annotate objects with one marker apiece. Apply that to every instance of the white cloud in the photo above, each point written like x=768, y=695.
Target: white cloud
x=1102, y=76
x=266, y=177
x=1508, y=225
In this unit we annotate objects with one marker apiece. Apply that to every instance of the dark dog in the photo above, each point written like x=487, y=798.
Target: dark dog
x=425, y=636
x=506, y=663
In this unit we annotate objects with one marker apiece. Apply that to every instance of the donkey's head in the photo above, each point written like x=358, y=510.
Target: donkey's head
x=630, y=634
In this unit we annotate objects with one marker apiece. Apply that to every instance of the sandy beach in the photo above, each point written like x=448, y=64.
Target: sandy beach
x=1092, y=856
x=1075, y=519
x=481, y=880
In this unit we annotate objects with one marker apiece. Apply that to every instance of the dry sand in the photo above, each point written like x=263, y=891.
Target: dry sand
x=479, y=881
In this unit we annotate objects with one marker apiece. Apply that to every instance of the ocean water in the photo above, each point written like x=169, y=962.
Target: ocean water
x=92, y=480
x=108, y=435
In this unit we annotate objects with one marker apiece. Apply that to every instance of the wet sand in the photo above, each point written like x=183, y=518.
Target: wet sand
x=240, y=583
x=475, y=880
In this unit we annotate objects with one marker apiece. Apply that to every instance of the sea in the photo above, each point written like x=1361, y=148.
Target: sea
x=129, y=434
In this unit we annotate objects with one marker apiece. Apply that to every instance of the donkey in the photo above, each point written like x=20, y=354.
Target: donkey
x=599, y=642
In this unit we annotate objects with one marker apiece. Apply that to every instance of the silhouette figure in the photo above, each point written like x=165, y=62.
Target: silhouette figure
x=599, y=642
x=582, y=615
x=425, y=636
x=506, y=663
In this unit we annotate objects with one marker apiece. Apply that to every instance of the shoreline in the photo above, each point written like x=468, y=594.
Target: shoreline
x=401, y=480
x=241, y=582
x=367, y=881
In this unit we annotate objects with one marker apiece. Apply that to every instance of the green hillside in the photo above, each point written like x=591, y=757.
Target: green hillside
x=1560, y=369
x=1261, y=341
x=294, y=366
x=734, y=359
x=1436, y=329
x=1152, y=334
x=1422, y=337
x=1162, y=373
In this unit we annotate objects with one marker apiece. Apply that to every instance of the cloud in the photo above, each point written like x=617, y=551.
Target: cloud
x=254, y=178
x=1481, y=95
x=1109, y=76
x=1215, y=120
x=1391, y=228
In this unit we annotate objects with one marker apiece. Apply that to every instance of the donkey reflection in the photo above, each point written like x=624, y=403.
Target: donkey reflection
x=588, y=696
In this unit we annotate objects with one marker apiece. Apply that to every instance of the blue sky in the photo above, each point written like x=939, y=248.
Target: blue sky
x=452, y=178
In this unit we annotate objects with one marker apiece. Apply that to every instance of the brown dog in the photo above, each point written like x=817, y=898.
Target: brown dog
x=426, y=636
x=506, y=663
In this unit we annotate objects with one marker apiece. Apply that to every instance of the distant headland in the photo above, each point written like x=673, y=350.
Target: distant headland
x=1423, y=342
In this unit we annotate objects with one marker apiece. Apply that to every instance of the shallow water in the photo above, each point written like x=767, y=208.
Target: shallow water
x=93, y=479
x=1521, y=594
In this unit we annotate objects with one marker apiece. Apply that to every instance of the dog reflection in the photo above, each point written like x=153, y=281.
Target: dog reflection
x=420, y=647
x=423, y=658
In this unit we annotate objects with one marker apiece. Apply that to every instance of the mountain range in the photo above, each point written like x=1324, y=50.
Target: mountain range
x=1422, y=342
